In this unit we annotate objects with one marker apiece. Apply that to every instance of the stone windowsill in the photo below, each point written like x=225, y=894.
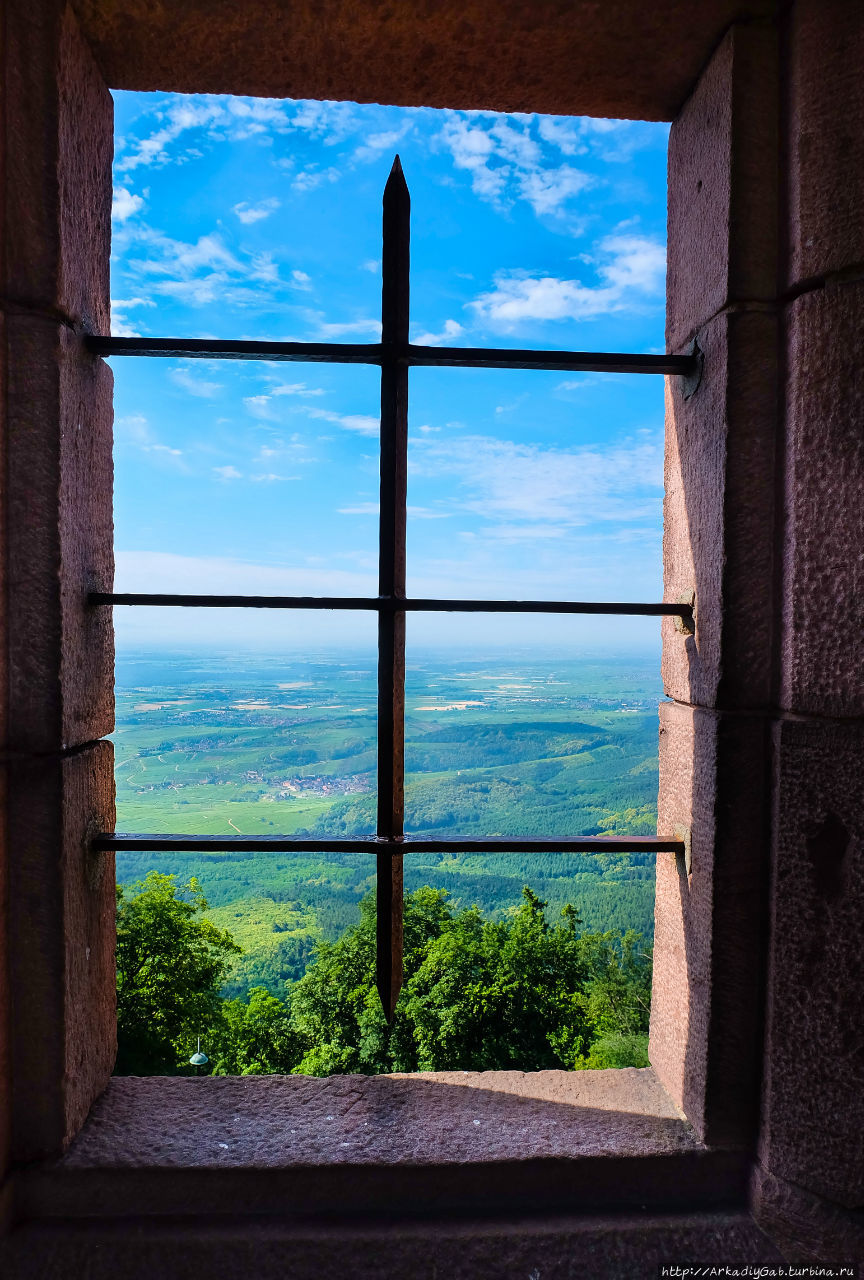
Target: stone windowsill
x=436, y=1142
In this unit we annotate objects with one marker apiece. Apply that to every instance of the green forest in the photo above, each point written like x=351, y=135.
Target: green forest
x=534, y=746
x=519, y=993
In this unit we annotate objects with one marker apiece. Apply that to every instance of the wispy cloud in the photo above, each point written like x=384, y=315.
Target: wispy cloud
x=248, y=213
x=363, y=424
x=506, y=163
x=341, y=329
x=201, y=272
x=360, y=509
x=295, y=389
x=124, y=204
x=452, y=329
x=376, y=143
x=631, y=271
x=195, y=384
x=120, y=324
x=262, y=406
x=228, y=473
x=211, y=118
x=134, y=431
x=312, y=176
x=139, y=570
x=414, y=513
x=523, y=490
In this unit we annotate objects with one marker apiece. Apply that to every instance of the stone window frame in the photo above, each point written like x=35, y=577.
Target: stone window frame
x=715, y=790
x=395, y=356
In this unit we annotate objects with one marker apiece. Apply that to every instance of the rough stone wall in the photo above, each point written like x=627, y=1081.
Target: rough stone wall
x=810, y=1184
x=56, y=699
x=719, y=549
x=759, y=995
x=761, y=745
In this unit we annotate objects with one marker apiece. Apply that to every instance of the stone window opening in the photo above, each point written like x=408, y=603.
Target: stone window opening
x=396, y=356
x=760, y=742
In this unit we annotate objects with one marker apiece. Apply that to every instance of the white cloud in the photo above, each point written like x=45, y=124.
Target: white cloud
x=133, y=430
x=124, y=204
x=214, y=118
x=546, y=190
x=296, y=389
x=577, y=384
x=256, y=212
x=414, y=513
x=261, y=406
x=528, y=491
x=228, y=473
x=471, y=149
x=258, y=406
x=120, y=324
x=193, y=383
x=566, y=135
x=200, y=273
x=506, y=162
x=338, y=330
x=311, y=177
x=636, y=263
x=634, y=271
x=140, y=570
x=360, y=509
x=371, y=264
x=452, y=329
x=363, y=424
x=375, y=143
x=301, y=280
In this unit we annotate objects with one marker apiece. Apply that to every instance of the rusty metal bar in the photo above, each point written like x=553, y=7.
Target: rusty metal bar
x=395, y=294
x=232, y=349
x=379, y=845
x=397, y=350
x=560, y=361
x=385, y=604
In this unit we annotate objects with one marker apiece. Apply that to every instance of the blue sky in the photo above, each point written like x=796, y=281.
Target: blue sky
x=262, y=219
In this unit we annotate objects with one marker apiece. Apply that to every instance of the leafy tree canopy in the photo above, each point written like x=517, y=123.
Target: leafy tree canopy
x=478, y=994
x=170, y=964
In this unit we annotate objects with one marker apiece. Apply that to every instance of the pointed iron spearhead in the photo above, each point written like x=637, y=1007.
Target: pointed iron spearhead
x=396, y=181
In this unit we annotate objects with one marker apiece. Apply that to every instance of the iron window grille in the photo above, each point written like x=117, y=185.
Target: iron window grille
x=394, y=355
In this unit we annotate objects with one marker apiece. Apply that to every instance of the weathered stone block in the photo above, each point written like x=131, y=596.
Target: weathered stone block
x=61, y=899
x=706, y=1006
x=723, y=177
x=718, y=532
x=59, y=543
x=623, y=1247
x=5, y=1002
x=826, y=139
x=813, y=1103
x=807, y=1229
x=823, y=606
x=628, y=60
x=58, y=168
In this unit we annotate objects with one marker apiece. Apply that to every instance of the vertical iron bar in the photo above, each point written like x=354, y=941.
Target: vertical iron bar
x=391, y=581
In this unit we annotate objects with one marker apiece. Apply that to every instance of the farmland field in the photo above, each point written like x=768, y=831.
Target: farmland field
x=527, y=744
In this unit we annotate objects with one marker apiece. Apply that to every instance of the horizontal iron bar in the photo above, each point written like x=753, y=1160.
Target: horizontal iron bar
x=382, y=353
x=210, y=348
x=563, y=361
x=379, y=844
x=386, y=604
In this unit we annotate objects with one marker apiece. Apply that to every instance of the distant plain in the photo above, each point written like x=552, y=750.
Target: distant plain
x=524, y=744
